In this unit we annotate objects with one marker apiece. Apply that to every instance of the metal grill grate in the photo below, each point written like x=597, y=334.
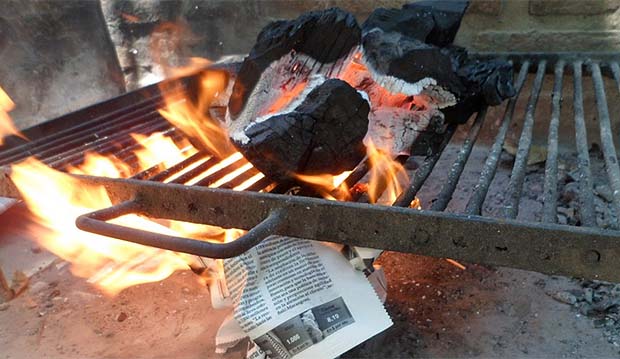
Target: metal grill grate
x=105, y=128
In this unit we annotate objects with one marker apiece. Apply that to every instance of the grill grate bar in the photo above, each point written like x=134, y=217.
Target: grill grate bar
x=107, y=144
x=586, y=197
x=550, y=189
x=85, y=132
x=515, y=187
x=212, y=178
x=607, y=140
x=240, y=179
x=260, y=185
x=168, y=172
x=474, y=205
x=188, y=176
x=447, y=190
x=422, y=173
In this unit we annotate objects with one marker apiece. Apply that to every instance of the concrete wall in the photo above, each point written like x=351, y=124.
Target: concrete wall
x=57, y=56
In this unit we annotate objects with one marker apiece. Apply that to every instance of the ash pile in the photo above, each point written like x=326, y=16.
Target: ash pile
x=311, y=98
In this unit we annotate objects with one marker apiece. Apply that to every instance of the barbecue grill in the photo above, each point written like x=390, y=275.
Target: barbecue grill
x=181, y=192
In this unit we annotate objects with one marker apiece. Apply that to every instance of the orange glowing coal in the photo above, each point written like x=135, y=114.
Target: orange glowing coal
x=7, y=127
x=288, y=96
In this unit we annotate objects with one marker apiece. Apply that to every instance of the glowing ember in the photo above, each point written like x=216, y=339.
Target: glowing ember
x=6, y=124
x=287, y=97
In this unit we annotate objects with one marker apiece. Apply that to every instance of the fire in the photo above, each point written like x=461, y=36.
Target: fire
x=160, y=150
x=193, y=118
x=56, y=199
x=6, y=124
x=328, y=186
x=387, y=176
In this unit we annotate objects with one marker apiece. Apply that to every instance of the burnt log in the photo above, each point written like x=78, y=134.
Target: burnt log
x=324, y=134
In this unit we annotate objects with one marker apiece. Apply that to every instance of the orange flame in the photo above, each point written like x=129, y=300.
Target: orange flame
x=193, y=118
x=56, y=199
x=387, y=176
x=7, y=127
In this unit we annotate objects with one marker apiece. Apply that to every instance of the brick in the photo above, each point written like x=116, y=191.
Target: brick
x=572, y=7
x=485, y=7
x=536, y=41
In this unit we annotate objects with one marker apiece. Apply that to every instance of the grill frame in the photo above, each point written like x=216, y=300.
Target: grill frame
x=589, y=251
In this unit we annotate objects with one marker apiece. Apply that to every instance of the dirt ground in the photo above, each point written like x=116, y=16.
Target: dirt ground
x=438, y=310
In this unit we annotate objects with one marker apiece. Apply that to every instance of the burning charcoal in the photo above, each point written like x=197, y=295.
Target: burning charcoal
x=417, y=64
x=413, y=87
x=324, y=36
x=432, y=22
x=322, y=135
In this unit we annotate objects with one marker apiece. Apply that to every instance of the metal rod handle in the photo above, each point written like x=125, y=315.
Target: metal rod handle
x=96, y=222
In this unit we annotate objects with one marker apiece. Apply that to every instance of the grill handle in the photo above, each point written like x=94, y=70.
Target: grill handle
x=96, y=222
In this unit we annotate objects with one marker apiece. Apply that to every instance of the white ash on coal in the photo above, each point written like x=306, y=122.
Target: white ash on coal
x=401, y=83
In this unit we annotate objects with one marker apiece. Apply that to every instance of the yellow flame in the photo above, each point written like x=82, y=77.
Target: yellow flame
x=387, y=176
x=56, y=199
x=328, y=186
x=193, y=118
x=7, y=127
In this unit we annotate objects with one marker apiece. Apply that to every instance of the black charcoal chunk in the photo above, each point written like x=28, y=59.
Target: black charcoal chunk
x=432, y=22
x=393, y=54
x=326, y=36
x=491, y=79
x=323, y=134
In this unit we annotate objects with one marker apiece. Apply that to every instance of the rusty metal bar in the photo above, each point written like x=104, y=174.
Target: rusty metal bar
x=95, y=222
x=447, y=190
x=186, y=177
x=575, y=251
x=422, y=173
x=550, y=189
x=586, y=196
x=474, y=205
x=607, y=139
x=240, y=178
x=260, y=185
x=515, y=186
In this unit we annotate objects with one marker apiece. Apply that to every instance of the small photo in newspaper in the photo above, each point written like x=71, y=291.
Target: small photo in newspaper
x=304, y=330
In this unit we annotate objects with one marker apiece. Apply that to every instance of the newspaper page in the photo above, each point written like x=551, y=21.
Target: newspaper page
x=302, y=299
